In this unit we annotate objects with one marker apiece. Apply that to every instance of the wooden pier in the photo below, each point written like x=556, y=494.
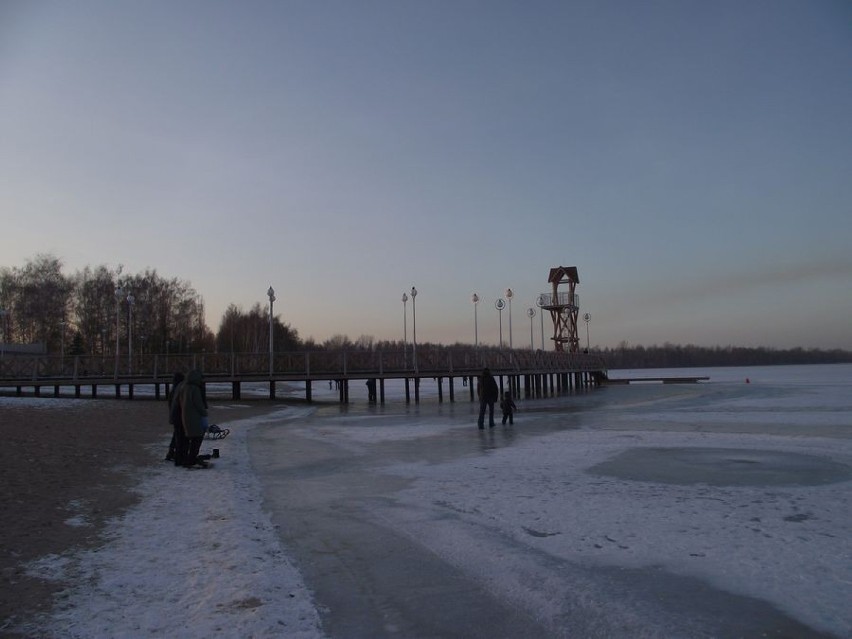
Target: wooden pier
x=525, y=373
x=658, y=380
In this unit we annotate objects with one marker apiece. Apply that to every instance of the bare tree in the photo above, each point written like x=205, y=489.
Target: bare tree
x=37, y=298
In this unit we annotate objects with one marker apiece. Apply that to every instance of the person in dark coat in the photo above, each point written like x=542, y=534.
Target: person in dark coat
x=174, y=419
x=489, y=393
x=193, y=413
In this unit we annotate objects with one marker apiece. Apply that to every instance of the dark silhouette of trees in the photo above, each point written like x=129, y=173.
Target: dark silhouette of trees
x=43, y=305
x=36, y=298
x=677, y=356
x=241, y=332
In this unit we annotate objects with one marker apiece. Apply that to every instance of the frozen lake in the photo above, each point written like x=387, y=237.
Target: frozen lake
x=717, y=509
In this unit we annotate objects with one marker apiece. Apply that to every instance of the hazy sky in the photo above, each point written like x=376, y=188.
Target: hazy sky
x=693, y=159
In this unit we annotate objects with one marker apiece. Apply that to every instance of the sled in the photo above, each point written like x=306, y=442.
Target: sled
x=214, y=432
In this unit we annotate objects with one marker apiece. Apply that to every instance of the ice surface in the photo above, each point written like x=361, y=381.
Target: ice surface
x=198, y=557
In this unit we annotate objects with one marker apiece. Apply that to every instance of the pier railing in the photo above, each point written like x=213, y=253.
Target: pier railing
x=430, y=361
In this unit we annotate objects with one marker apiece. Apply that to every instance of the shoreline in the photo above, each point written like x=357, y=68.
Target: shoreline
x=67, y=469
x=71, y=467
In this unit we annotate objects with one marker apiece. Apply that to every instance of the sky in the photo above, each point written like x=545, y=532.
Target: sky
x=691, y=159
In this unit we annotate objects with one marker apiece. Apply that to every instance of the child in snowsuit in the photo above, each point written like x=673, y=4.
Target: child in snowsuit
x=508, y=407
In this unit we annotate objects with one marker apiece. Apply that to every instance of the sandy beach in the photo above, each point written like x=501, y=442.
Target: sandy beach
x=69, y=467
x=63, y=464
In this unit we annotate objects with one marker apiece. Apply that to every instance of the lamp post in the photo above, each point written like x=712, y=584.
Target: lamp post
x=414, y=327
x=509, y=296
x=540, y=303
x=119, y=293
x=475, y=299
x=500, y=304
x=587, y=317
x=271, y=293
x=404, y=330
x=531, y=314
x=131, y=300
x=62, y=340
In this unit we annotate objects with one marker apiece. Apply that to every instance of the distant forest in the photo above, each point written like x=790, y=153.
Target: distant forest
x=676, y=356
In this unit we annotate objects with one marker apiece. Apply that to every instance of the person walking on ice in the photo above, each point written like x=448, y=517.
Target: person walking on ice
x=508, y=407
x=489, y=393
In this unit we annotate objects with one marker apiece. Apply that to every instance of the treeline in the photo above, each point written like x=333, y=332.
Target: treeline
x=95, y=310
x=676, y=356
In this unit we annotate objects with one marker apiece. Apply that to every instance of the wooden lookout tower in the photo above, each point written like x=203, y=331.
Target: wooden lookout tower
x=563, y=306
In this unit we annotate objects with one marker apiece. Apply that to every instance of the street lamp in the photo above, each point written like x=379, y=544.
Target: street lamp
x=531, y=314
x=62, y=340
x=540, y=303
x=404, y=330
x=587, y=317
x=119, y=293
x=475, y=300
x=271, y=293
x=414, y=322
x=509, y=296
x=500, y=304
x=130, y=302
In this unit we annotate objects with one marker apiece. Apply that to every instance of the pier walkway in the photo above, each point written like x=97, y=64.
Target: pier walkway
x=524, y=372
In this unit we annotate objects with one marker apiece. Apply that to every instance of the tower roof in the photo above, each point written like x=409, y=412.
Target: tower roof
x=563, y=273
